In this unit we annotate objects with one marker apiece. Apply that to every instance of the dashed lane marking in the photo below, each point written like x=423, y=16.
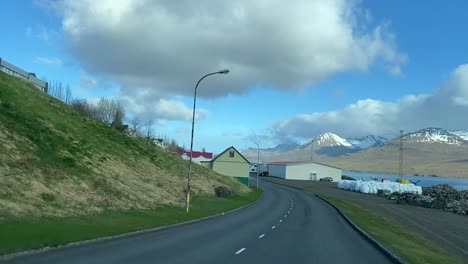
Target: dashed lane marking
x=240, y=251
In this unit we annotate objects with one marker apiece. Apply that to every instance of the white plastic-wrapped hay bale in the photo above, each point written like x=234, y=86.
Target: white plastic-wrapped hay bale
x=364, y=187
x=357, y=186
x=372, y=187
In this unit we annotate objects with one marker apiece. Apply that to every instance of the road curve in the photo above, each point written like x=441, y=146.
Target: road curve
x=286, y=226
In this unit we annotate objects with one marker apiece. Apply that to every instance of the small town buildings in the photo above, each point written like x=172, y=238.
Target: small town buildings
x=230, y=163
x=307, y=170
x=197, y=156
x=12, y=70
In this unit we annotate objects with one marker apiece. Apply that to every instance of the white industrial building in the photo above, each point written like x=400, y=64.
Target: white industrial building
x=308, y=170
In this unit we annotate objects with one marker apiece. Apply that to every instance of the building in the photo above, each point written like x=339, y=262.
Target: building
x=197, y=156
x=308, y=170
x=230, y=163
x=17, y=72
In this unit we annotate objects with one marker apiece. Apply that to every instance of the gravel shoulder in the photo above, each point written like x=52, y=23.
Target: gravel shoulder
x=448, y=230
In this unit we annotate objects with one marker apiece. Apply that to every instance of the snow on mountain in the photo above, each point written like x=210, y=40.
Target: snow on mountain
x=430, y=135
x=331, y=140
x=463, y=133
x=367, y=141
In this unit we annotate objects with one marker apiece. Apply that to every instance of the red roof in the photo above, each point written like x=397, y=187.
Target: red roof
x=282, y=162
x=196, y=154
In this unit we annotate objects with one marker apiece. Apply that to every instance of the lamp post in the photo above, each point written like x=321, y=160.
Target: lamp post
x=258, y=160
x=226, y=71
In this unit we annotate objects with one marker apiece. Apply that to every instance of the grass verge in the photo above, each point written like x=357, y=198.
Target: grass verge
x=409, y=245
x=33, y=233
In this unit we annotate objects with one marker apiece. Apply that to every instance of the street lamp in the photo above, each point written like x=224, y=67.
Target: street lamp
x=226, y=71
x=258, y=160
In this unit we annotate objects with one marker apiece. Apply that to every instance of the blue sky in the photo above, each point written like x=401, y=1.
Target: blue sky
x=424, y=40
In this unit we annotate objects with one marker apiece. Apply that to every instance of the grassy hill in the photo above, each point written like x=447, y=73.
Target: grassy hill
x=55, y=161
x=419, y=158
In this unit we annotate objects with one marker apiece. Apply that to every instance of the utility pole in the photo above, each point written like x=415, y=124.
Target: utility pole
x=400, y=169
x=312, y=150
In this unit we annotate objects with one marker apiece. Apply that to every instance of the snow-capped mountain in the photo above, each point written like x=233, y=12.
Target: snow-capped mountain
x=367, y=141
x=328, y=140
x=432, y=135
x=463, y=133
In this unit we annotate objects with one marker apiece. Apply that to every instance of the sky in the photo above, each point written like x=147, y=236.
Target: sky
x=354, y=68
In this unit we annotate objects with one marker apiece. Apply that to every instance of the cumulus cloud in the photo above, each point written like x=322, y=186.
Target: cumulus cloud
x=162, y=109
x=445, y=107
x=162, y=47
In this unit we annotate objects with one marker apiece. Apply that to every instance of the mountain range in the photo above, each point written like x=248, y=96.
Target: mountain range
x=431, y=151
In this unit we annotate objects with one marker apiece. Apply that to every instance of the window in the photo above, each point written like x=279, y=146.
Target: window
x=231, y=154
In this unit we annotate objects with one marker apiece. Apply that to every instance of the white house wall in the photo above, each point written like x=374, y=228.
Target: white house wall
x=277, y=170
x=305, y=171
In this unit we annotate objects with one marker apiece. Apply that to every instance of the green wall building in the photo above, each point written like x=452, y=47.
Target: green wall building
x=230, y=163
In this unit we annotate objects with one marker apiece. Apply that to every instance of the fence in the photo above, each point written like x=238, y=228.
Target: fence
x=12, y=70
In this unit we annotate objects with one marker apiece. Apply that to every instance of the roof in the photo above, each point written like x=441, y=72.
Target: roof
x=298, y=163
x=196, y=154
x=217, y=156
x=283, y=162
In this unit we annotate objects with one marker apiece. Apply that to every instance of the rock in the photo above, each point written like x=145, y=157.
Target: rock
x=441, y=197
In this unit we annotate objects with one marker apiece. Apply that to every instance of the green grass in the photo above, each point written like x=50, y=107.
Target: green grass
x=32, y=233
x=63, y=137
x=406, y=243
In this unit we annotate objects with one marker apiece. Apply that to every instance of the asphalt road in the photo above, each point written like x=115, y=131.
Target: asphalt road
x=286, y=226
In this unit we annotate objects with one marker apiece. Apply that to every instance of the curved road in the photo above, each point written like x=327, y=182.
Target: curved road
x=286, y=226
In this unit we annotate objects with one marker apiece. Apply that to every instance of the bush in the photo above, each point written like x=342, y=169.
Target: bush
x=223, y=191
x=48, y=197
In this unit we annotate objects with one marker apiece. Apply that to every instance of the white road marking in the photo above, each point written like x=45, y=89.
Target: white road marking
x=285, y=215
x=289, y=212
x=240, y=251
x=281, y=221
x=261, y=236
x=273, y=227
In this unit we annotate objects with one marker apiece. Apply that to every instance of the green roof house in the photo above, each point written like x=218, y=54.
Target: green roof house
x=230, y=163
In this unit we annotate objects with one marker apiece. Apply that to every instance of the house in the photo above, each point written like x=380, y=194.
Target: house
x=230, y=163
x=17, y=72
x=307, y=170
x=197, y=156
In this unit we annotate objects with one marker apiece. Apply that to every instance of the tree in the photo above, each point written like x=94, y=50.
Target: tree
x=135, y=126
x=68, y=95
x=82, y=106
x=110, y=112
x=119, y=115
x=148, y=131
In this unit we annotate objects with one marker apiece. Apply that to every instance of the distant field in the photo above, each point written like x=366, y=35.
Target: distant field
x=32, y=233
x=422, y=159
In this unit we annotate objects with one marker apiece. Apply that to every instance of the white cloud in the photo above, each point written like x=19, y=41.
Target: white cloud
x=161, y=110
x=446, y=107
x=49, y=60
x=160, y=48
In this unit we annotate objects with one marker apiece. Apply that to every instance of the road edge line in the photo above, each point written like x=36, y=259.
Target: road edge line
x=124, y=235
x=394, y=257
